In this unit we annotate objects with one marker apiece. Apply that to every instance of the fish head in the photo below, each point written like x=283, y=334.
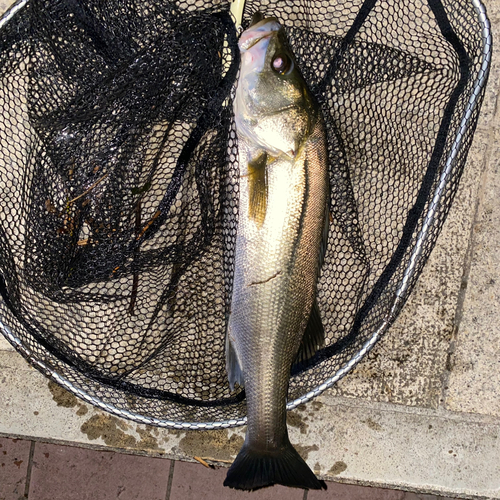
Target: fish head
x=273, y=109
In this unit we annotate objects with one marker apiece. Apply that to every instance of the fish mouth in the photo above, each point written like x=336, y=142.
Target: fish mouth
x=252, y=41
x=258, y=32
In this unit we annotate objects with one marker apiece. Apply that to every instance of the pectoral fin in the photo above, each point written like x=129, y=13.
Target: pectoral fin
x=313, y=339
x=258, y=188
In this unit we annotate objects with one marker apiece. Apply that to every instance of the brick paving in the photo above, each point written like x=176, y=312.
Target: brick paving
x=32, y=470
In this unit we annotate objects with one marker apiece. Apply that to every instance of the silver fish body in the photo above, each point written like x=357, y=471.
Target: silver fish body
x=282, y=217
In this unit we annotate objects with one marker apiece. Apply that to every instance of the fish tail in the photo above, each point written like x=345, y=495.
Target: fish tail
x=254, y=469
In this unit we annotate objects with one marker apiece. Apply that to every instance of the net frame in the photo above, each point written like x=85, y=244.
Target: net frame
x=413, y=269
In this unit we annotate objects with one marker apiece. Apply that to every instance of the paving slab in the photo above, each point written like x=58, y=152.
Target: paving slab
x=4, y=345
x=337, y=491
x=493, y=10
x=474, y=381
x=194, y=481
x=63, y=472
x=490, y=103
x=14, y=459
x=4, y=5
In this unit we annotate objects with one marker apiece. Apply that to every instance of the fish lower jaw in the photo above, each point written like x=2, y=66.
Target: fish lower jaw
x=251, y=41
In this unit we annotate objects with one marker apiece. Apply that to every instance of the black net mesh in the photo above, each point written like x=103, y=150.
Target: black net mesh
x=119, y=191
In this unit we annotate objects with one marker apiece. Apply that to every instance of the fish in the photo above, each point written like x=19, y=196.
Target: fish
x=274, y=320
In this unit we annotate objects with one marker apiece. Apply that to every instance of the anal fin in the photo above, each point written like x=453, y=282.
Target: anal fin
x=233, y=366
x=313, y=338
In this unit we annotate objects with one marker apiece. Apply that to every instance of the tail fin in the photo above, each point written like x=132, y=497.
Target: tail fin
x=252, y=470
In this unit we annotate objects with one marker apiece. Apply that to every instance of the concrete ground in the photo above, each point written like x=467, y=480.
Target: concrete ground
x=421, y=413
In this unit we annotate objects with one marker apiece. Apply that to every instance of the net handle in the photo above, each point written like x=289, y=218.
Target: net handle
x=237, y=7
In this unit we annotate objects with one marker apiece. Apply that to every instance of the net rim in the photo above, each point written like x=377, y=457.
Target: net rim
x=400, y=295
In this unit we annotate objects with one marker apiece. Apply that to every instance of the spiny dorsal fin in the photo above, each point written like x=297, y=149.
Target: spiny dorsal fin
x=258, y=188
x=313, y=339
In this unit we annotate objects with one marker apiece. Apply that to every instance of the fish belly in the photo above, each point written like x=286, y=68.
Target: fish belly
x=274, y=288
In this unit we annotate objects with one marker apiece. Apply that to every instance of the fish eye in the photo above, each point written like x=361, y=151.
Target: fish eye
x=281, y=63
